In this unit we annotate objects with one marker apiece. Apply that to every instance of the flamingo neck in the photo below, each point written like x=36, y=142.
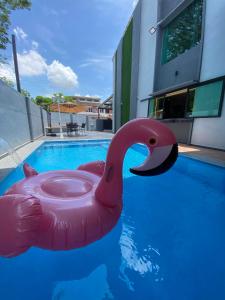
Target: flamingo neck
x=110, y=188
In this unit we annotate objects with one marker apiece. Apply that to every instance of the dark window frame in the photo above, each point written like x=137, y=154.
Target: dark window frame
x=221, y=78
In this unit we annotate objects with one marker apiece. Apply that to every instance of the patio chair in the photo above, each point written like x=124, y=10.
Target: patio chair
x=74, y=127
x=69, y=128
x=82, y=128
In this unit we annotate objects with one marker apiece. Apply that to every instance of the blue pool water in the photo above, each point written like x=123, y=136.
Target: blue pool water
x=168, y=245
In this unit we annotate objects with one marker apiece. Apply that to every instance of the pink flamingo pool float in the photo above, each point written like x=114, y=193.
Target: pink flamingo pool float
x=62, y=210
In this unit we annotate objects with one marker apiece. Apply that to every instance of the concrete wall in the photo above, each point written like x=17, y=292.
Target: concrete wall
x=182, y=129
x=64, y=117
x=67, y=118
x=147, y=55
x=37, y=127
x=210, y=131
x=90, y=121
x=14, y=116
x=45, y=118
x=14, y=127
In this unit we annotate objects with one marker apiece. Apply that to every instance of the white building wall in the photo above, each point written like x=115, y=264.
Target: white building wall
x=210, y=132
x=142, y=111
x=147, y=55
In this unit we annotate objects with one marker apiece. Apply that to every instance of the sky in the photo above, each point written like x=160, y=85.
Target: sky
x=67, y=46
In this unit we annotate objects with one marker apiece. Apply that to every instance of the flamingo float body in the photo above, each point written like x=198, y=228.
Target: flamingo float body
x=63, y=210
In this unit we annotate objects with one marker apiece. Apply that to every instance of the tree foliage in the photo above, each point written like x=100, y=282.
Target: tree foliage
x=58, y=97
x=7, y=81
x=6, y=7
x=25, y=93
x=11, y=84
x=69, y=99
x=45, y=102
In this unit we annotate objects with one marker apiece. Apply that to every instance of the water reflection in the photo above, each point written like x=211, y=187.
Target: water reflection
x=95, y=285
x=141, y=260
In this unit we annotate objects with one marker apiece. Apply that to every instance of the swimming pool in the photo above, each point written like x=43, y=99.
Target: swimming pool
x=168, y=245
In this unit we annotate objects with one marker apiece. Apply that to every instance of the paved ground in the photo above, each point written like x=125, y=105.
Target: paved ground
x=208, y=155
x=212, y=156
x=89, y=135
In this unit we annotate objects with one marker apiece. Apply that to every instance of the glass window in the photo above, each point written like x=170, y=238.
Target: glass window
x=151, y=108
x=201, y=101
x=175, y=105
x=204, y=101
x=183, y=33
x=156, y=108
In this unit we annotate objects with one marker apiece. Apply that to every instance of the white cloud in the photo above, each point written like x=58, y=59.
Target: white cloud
x=61, y=76
x=7, y=71
x=20, y=34
x=35, y=44
x=134, y=3
x=31, y=63
x=102, y=62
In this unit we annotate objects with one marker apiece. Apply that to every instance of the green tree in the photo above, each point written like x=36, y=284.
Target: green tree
x=6, y=7
x=69, y=99
x=45, y=102
x=8, y=82
x=11, y=84
x=58, y=97
x=25, y=93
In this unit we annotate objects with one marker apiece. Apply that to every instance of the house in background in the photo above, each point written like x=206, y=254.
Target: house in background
x=84, y=109
x=80, y=104
x=169, y=65
x=106, y=106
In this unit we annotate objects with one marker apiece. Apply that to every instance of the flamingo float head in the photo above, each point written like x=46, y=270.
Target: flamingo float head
x=158, y=138
x=162, y=146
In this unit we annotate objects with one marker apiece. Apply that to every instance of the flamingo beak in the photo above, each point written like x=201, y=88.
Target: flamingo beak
x=158, y=162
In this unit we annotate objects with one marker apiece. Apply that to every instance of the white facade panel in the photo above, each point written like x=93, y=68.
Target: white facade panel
x=214, y=42
x=210, y=132
x=147, y=55
x=142, y=111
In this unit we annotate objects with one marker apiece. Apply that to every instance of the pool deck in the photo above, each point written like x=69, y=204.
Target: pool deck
x=215, y=157
x=212, y=156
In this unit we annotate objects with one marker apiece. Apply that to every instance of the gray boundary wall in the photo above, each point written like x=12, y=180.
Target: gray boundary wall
x=21, y=120
x=90, y=121
x=36, y=120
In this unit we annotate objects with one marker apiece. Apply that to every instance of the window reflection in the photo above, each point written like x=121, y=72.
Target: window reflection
x=183, y=33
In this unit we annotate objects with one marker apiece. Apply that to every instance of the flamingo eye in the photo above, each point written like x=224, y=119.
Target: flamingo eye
x=152, y=141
